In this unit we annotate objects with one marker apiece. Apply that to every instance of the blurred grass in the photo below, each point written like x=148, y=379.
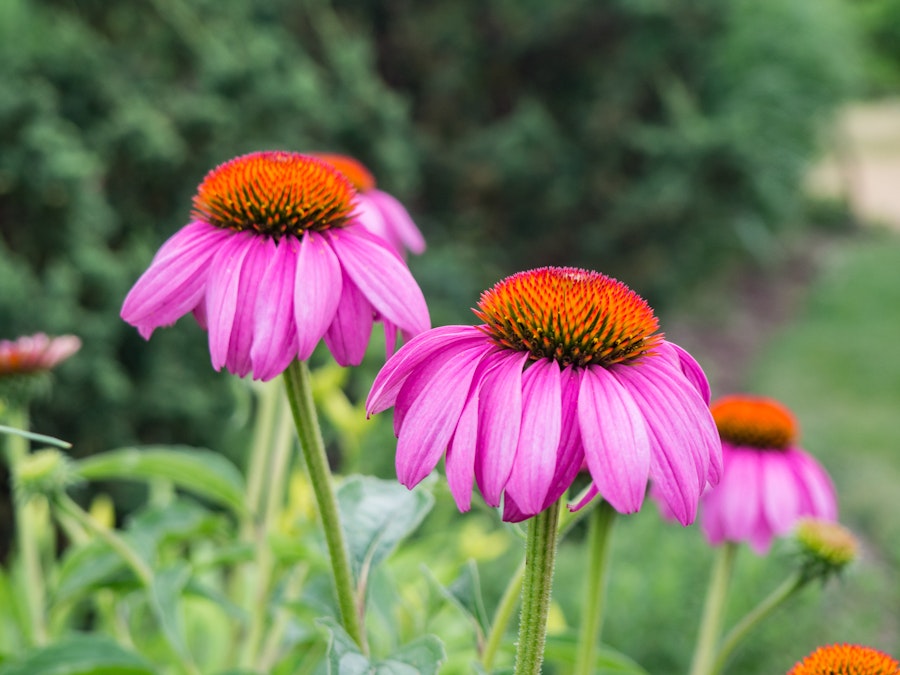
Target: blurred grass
x=834, y=363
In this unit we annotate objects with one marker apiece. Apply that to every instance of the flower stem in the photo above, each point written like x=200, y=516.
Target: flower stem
x=540, y=557
x=711, y=623
x=26, y=533
x=755, y=616
x=600, y=527
x=299, y=391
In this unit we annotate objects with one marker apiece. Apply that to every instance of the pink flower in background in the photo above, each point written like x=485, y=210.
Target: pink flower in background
x=568, y=368
x=377, y=211
x=35, y=353
x=272, y=262
x=769, y=483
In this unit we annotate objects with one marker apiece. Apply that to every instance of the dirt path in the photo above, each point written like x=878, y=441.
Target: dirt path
x=864, y=166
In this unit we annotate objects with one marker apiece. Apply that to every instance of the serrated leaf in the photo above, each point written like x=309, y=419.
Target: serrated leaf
x=420, y=657
x=465, y=593
x=423, y=656
x=377, y=515
x=203, y=472
x=82, y=655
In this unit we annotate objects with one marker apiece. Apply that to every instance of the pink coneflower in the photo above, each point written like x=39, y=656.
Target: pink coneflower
x=35, y=353
x=272, y=262
x=844, y=659
x=376, y=210
x=567, y=368
x=769, y=483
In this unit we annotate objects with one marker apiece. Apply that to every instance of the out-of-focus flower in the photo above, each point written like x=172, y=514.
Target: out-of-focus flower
x=25, y=365
x=273, y=261
x=825, y=547
x=35, y=353
x=567, y=368
x=845, y=659
x=769, y=482
x=376, y=210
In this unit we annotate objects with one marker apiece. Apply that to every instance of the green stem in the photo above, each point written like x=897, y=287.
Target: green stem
x=299, y=391
x=26, y=533
x=502, y=617
x=755, y=616
x=275, y=482
x=600, y=527
x=260, y=450
x=540, y=557
x=711, y=622
x=507, y=605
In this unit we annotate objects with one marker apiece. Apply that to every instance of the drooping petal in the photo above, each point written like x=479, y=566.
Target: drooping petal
x=250, y=289
x=539, y=436
x=275, y=333
x=382, y=277
x=499, y=421
x=411, y=355
x=570, y=455
x=819, y=497
x=398, y=221
x=317, y=291
x=615, y=439
x=588, y=495
x=348, y=335
x=682, y=432
x=780, y=497
x=175, y=282
x=738, y=494
x=689, y=366
x=431, y=401
x=460, y=465
x=512, y=512
x=223, y=296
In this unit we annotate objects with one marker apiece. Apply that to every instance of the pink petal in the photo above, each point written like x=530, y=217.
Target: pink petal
x=249, y=291
x=819, y=499
x=414, y=353
x=382, y=277
x=592, y=492
x=432, y=400
x=460, y=465
x=317, y=291
x=175, y=281
x=689, y=366
x=682, y=433
x=223, y=299
x=398, y=221
x=780, y=499
x=348, y=335
x=615, y=439
x=499, y=421
x=532, y=474
x=737, y=496
x=275, y=331
x=512, y=513
x=570, y=454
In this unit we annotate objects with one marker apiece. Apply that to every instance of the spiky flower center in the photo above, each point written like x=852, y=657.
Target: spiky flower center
x=274, y=193
x=572, y=315
x=359, y=175
x=755, y=422
x=846, y=660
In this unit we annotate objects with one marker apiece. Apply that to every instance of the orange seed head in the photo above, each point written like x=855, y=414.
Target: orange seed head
x=846, y=660
x=754, y=421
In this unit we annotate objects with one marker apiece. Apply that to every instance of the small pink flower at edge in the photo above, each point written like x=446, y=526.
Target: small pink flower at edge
x=35, y=353
x=272, y=262
x=567, y=369
x=769, y=483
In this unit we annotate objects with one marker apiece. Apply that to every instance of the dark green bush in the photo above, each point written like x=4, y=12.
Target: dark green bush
x=651, y=140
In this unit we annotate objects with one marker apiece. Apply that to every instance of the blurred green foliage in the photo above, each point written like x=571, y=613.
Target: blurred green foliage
x=651, y=140
x=879, y=23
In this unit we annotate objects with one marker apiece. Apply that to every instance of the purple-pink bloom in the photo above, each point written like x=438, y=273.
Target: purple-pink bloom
x=377, y=211
x=35, y=353
x=567, y=369
x=272, y=262
x=769, y=483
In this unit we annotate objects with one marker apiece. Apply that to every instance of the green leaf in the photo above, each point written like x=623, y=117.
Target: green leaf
x=563, y=649
x=40, y=438
x=377, y=515
x=423, y=656
x=203, y=472
x=465, y=593
x=82, y=655
x=165, y=595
